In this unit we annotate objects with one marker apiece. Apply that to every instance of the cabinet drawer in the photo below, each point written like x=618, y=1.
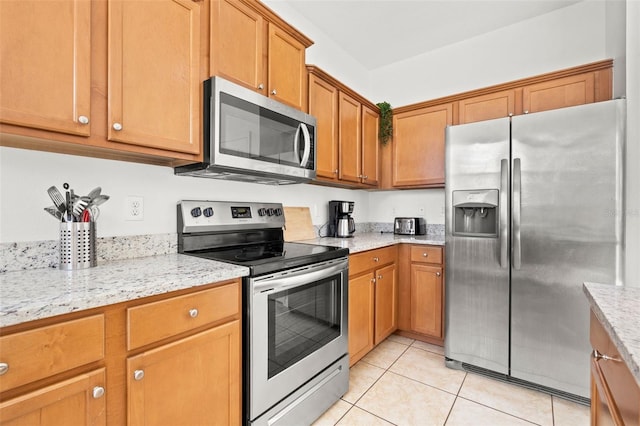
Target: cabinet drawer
x=371, y=259
x=42, y=352
x=159, y=320
x=426, y=254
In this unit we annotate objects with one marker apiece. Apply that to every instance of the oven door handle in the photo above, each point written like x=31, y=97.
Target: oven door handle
x=285, y=281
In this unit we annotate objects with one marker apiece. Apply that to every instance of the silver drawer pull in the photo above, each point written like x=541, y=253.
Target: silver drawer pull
x=376, y=259
x=600, y=356
x=193, y=313
x=138, y=374
x=437, y=274
x=379, y=277
x=4, y=367
x=117, y=127
x=83, y=119
x=98, y=392
x=425, y=254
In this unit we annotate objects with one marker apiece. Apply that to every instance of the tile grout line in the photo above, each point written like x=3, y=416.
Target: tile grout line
x=500, y=411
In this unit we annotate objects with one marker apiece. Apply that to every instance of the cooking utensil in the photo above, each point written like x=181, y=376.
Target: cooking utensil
x=53, y=211
x=80, y=205
x=94, y=192
x=86, y=216
x=69, y=215
x=57, y=199
x=100, y=199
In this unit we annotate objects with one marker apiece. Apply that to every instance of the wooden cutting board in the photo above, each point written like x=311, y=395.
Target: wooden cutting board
x=298, y=225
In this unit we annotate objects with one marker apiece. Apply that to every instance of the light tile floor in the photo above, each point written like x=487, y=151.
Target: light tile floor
x=405, y=382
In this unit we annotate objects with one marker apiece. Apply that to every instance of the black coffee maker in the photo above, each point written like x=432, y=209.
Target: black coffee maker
x=341, y=224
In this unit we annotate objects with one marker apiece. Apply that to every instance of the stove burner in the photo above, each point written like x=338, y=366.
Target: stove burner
x=258, y=253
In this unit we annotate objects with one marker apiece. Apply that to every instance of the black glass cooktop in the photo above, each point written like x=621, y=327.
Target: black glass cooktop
x=272, y=256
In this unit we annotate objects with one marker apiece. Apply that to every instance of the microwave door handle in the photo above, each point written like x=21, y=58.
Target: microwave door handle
x=307, y=144
x=296, y=150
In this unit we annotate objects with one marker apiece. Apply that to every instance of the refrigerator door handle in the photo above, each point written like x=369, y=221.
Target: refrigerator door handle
x=517, y=197
x=504, y=206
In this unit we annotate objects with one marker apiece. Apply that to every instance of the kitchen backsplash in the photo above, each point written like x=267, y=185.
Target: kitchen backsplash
x=44, y=254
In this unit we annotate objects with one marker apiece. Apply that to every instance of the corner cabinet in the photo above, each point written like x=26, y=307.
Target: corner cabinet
x=421, y=300
x=418, y=146
x=154, y=74
x=347, y=133
x=252, y=46
x=615, y=394
x=373, y=299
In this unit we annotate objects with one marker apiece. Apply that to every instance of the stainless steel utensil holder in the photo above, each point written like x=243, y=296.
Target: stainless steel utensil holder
x=77, y=245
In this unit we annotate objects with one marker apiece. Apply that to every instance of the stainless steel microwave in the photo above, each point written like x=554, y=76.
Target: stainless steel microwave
x=250, y=137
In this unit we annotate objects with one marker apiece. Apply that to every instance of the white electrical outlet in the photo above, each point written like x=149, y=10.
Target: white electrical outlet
x=134, y=208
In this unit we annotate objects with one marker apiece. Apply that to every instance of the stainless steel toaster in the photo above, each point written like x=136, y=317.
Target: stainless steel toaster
x=409, y=226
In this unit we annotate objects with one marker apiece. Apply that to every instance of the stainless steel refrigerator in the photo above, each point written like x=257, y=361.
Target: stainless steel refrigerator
x=533, y=209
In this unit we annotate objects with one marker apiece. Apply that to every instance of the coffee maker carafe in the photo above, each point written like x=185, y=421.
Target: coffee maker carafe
x=341, y=224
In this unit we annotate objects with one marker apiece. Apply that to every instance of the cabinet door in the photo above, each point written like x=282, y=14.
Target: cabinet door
x=237, y=44
x=77, y=401
x=193, y=381
x=323, y=105
x=386, y=303
x=286, y=69
x=370, y=150
x=154, y=74
x=350, y=139
x=487, y=107
x=361, y=306
x=45, y=66
x=426, y=300
x=418, y=146
x=559, y=93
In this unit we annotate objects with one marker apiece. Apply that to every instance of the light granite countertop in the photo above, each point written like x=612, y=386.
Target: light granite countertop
x=617, y=309
x=28, y=295
x=41, y=293
x=372, y=240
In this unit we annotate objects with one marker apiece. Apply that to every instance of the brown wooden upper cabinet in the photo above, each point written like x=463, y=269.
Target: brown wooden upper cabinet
x=154, y=76
x=46, y=68
x=141, y=99
x=559, y=93
x=252, y=46
x=346, y=133
x=418, y=146
x=487, y=107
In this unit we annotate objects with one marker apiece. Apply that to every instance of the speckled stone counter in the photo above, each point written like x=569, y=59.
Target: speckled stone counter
x=41, y=293
x=373, y=240
x=618, y=309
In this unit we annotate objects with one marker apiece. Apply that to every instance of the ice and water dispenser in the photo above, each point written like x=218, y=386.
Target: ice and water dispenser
x=475, y=213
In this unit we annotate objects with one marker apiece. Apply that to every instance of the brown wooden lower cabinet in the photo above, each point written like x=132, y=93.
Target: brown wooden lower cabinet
x=615, y=394
x=190, y=382
x=421, y=292
x=373, y=299
x=125, y=364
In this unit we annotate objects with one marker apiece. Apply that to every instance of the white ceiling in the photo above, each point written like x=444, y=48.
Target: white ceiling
x=381, y=32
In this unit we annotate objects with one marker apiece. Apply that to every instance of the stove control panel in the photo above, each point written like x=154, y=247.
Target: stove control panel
x=212, y=216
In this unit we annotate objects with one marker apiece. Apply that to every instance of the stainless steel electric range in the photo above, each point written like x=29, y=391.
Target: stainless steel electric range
x=295, y=350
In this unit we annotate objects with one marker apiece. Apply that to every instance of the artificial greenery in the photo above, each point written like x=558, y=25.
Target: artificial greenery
x=385, y=131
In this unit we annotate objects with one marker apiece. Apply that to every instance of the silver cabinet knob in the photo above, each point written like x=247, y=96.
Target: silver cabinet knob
x=4, y=367
x=380, y=277
x=117, y=127
x=600, y=356
x=437, y=274
x=366, y=177
x=260, y=86
x=138, y=374
x=83, y=119
x=425, y=254
x=193, y=313
x=98, y=392
x=273, y=92
x=510, y=114
x=361, y=176
x=373, y=280
x=526, y=111
x=376, y=259
x=336, y=171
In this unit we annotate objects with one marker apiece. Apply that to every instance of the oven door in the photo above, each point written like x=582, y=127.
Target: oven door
x=297, y=327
